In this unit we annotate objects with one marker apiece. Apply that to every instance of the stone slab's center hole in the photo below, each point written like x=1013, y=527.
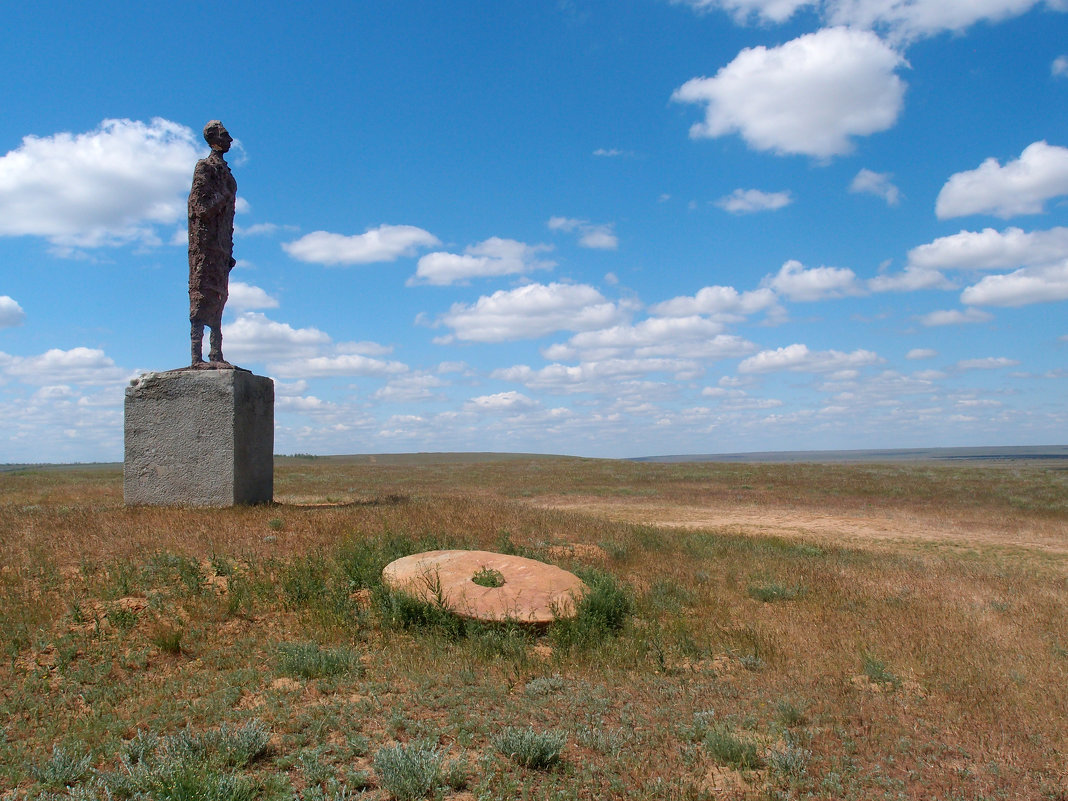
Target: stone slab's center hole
x=488, y=577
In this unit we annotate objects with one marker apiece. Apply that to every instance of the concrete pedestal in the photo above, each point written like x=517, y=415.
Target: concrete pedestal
x=199, y=438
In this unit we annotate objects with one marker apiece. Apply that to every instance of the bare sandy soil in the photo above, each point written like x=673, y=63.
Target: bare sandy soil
x=883, y=529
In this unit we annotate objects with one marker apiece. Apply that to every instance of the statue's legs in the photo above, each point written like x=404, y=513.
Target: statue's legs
x=215, y=351
x=197, y=336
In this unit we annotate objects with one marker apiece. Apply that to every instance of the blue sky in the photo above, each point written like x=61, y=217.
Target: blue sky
x=602, y=228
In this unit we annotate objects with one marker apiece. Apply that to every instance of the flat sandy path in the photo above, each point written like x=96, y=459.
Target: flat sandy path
x=854, y=530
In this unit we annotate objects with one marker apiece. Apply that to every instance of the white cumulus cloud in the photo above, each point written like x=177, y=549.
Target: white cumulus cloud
x=255, y=337
x=913, y=19
x=407, y=388
x=808, y=96
x=1059, y=67
x=493, y=257
x=307, y=404
x=11, y=313
x=56, y=366
x=302, y=353
x=381, y=244
x=989, y=363
x=110, y=186
x=604, y=376
x=1021, y=186
x=991, y=249
x=798, y=283
x=798, y=358
x=1040, y=259
x=344, y=364
x=365, y=347
x=876, y=183
x=900, y=19
x=743, y=10
x=260, y=229
x=598, y=236
x=245, y=297
x=921, y=353
x=531, y=311
x=1020, y=288
x=955, y=317
x=724, y=302
x=502, y=401
x=910, y=279
x=695, y=337
x=652, y=331
x=747, y=201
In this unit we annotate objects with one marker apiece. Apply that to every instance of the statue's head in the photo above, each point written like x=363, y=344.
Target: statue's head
x=217, y=136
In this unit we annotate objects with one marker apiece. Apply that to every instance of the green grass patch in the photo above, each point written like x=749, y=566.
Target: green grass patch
x=728, y=749
x=168, y=638
x=601, y=613
x=789, y=713
x=487, y=577
x=309, y=660
x=772, y=591
x=878, y=671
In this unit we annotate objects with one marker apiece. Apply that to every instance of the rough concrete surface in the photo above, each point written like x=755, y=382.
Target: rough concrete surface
x=199, y=438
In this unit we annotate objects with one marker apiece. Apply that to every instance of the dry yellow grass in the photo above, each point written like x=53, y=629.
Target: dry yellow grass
x=915, y=617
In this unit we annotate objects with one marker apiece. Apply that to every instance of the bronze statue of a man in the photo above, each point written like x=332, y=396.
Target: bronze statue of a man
x=211, y=244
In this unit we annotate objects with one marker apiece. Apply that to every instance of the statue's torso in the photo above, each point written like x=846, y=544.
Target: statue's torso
x=211, y=236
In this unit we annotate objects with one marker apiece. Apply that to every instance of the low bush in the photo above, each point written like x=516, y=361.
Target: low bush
x=790, y=761
x=62, y=769
x=188, y=765
x=531, y=749
x=411, y=771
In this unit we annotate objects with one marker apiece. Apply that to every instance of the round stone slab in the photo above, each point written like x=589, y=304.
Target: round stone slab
x=531, y=592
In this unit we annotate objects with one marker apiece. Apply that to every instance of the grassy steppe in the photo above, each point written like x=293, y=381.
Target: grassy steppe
x=253, y=653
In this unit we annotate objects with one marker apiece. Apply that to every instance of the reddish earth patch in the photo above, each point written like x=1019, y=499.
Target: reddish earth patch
x=839, y=529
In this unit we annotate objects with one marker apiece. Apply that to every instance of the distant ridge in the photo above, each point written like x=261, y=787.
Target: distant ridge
x=1007, y=453
x=995, y=453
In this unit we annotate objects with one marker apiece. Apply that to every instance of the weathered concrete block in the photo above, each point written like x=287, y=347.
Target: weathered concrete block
x=199, y=438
